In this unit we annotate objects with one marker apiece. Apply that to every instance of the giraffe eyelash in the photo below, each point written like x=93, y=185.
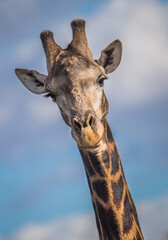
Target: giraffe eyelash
x=101, y=80
x=51, y=95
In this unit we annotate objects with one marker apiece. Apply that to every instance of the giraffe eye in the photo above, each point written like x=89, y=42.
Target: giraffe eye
x=101, y=81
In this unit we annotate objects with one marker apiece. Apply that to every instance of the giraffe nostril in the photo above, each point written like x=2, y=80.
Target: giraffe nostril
x=91, y=121
x=77, y=124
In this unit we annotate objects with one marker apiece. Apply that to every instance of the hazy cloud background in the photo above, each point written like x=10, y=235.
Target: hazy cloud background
x=42, y=181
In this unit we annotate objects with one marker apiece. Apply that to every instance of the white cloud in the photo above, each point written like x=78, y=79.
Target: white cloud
x=72, y=228
x=10, y=10
x=153, y=217
x=27, y=51
x=42, y=111
x=5, y=114
x=152, y=214
x=142, y=28
x=8, y=103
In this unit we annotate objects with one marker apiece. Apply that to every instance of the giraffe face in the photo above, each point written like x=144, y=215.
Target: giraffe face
x=75, y=82
x=76, y=85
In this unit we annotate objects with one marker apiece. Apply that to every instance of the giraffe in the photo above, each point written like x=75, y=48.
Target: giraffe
x=75, y=82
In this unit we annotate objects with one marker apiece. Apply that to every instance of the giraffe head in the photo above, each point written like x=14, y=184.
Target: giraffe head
x=75, y=82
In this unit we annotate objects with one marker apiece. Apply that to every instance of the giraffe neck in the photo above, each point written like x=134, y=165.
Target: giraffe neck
x=115, y=212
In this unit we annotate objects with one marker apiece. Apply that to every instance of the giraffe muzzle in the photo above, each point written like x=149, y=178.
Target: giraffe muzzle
x=88, y=132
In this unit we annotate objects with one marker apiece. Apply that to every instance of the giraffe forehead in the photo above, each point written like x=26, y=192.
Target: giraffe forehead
x=77, y=68
x=83, y=77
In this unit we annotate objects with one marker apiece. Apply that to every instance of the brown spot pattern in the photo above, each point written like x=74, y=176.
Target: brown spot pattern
x=115, y=161
x=108, y=222
x=118, y=191
x=87, y=164
x=100, y=187
x=128, y=217
x=106, y=159
x=96, y=164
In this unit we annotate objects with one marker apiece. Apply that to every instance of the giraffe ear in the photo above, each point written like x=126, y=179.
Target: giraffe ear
x=32, y=80
x=111, y=56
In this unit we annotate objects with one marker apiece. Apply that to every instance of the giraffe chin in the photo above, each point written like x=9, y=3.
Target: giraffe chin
x=89, y=136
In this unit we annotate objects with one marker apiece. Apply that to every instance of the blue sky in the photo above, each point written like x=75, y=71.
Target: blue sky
x=42, y=179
